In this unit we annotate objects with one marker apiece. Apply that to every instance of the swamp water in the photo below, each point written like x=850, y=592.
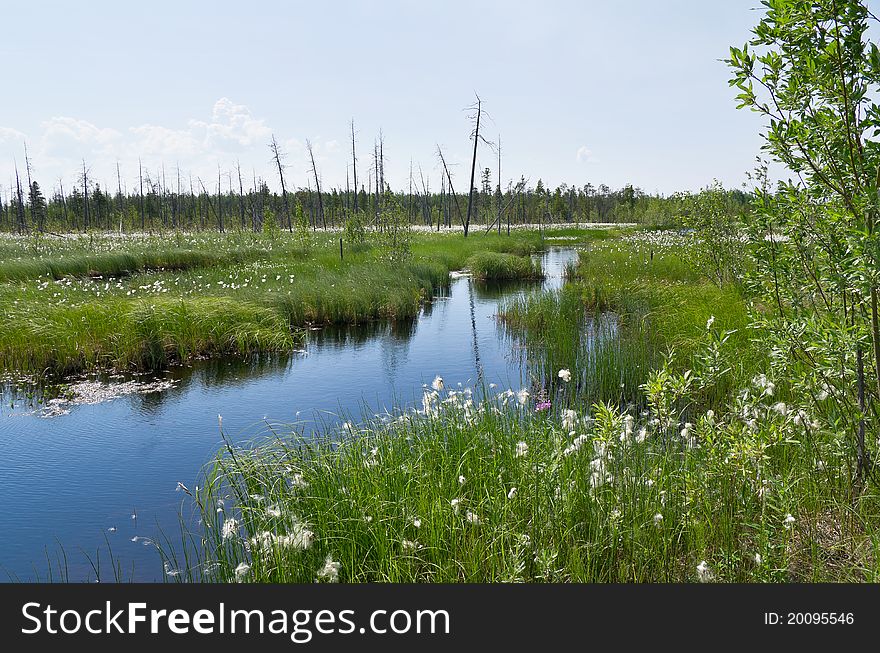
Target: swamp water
x=96, y=475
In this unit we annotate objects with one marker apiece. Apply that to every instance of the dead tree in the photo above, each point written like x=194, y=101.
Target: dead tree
x=119, y=196
x=240, y=194
x=278, y=155
x=354, y=170
x=317, y=184
x=476, y=137
x=141, y=182
x=451, y=189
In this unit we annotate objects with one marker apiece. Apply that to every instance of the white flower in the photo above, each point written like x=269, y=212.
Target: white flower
x=461, y=480
x=522, y=397
x=230, y=528
x=472, y=518
x=437, y=383
x=298, y=481
x=330, y=570
x=703, y=573
x=643, y=435
x=569, y=419
x=788, y=521
x=273, y=511
x=781, y=408
x=758, y=559
x=456, y=504
x=417, y=522
x=565, y=375
x=241, y=571
x=512, y=493
x=710, y=322
x=409, y=545
x=658, y=519
x=522, y=448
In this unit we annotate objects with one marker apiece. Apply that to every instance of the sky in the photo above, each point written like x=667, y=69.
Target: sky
x=581, y=92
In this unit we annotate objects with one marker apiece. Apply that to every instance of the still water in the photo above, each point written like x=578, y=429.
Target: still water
x=100, y=478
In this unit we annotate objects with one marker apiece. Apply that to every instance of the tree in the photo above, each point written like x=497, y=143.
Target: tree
x=813, y=74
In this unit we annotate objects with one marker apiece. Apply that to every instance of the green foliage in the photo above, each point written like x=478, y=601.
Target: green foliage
x=716, y=235
x=812, y=72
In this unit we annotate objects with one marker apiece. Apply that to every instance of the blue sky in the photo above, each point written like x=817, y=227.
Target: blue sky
x=590, y=91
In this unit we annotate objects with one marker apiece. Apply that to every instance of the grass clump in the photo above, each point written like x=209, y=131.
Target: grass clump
x=492, y=266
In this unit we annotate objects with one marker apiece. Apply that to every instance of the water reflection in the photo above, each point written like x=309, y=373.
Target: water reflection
x=72, y=478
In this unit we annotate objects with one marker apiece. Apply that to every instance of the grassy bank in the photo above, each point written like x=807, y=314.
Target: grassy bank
x=81, y=304
x=499, y=492
x=653, y=305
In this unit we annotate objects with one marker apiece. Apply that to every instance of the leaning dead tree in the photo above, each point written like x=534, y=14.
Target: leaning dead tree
x=277, y=155
x=317, y=184
x=451, y=189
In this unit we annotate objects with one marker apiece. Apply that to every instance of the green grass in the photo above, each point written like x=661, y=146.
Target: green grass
x=101, y=302
x=661, y=307
x=498, y=493
x=492, y=266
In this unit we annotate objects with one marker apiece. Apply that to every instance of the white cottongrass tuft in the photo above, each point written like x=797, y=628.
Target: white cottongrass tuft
x=704, y=574
x=437, y=383
x=709, y=324
x=788, y=521
x=658, y=519
x=461, y=480
x=456, y=505
x=330, y=570
x=565, y=375
x=472, y=518
x=241, y=571
x=522, y=449
x=522, y=397
x=569, y=419
x=512, y=493
x=230, y=528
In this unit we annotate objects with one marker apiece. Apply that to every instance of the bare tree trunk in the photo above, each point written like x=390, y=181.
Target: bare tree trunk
x=277, y=155
x=354, y=170
x=240, y=195
x=317, y=185
x=451, y=189
x=473, y=169
x=141, y=182
x=121, y=201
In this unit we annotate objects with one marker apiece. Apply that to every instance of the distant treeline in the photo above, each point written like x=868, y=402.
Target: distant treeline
x=162, y=207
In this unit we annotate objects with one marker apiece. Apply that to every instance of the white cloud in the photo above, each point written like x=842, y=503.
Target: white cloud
x=231, y=126
x=585, y=155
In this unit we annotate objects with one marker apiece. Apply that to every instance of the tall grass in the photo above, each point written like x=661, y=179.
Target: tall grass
x=491, y=266
x=497, y=492
x=138, y=303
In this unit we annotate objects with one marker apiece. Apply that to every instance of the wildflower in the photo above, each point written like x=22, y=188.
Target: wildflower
x=512, y=493
x=455, y=503
x=230, y=528
x=437, y=383
x=409, y=545
x=273, y=511
x=658, y=519
x=417, y=522
x=522, y=448
x=703, y=573
x=615, y=515
x=710, y=416
x=565, y=375
x=788, y=521
x=569, y=419
x=642, y=436
x=710, y=322
x=241, y=571
x=330, y=570
x=781, y=408
x=575, y=445
x=298, y=481
x=170, y=571
x=522, y=396
x=461, y=479
x=758, y=559
x=542, y=405
x=472, y=518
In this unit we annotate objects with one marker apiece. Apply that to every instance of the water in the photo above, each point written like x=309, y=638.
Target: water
x=94, y=477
